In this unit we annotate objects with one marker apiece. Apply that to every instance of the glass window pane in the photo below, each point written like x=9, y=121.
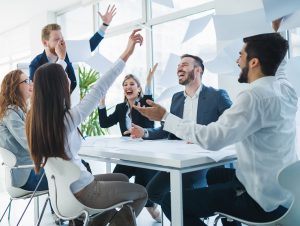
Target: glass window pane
x=171, y=6
x=78, y=23
x=112, y=48
x=127, y=11
x=168, y=37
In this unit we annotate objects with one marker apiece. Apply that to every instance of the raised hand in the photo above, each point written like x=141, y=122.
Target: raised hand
x=134, y=38
x=102, y=101
x=60, y=49
x=151, y=73
x=109, y=14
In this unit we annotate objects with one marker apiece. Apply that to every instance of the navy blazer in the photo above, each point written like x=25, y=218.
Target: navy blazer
x=211, y=104
x=42, y=59
x=119, y=116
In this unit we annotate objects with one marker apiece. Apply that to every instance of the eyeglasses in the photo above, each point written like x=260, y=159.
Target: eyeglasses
x=27, y=81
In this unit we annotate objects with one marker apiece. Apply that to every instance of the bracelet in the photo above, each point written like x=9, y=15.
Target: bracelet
x=104, y=24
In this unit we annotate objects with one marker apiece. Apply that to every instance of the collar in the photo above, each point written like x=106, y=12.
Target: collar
x=196, y=95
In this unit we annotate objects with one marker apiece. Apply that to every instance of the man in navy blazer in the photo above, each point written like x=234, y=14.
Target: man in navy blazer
x=55, y=49
x=198, y=103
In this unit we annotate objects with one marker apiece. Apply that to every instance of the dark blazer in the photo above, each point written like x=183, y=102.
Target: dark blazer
x=42, y=59
x=119, y=116
x=211, y=104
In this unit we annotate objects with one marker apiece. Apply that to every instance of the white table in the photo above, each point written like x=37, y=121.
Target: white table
x=173, y=156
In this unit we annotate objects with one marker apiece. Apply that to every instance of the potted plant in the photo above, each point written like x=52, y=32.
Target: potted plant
x=87, y=78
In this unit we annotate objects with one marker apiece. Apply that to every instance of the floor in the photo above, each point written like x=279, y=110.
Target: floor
x=18, y=206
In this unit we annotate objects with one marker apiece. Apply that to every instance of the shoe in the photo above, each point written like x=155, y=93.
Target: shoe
x=225, y=222
x=124, y=217
x=155, y=213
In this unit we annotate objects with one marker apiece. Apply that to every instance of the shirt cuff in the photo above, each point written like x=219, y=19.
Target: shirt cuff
x=171, y=122
x=148, y=90
x=100, y=106
x=146, y=133
x=102, y=30
x=62, y=63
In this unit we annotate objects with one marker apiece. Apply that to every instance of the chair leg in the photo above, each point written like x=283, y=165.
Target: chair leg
x=86, y=219
x=217, y=219
x=7, y=208
x=42, y=213
x=9, y=211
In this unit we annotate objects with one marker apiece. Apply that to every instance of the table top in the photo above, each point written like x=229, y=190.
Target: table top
x=171, y=153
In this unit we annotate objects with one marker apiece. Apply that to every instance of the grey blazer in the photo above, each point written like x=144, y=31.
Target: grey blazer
x=13, y=138
x=211, y=104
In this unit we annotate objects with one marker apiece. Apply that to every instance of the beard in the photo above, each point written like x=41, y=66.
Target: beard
x=244, y=75
x=190, y=77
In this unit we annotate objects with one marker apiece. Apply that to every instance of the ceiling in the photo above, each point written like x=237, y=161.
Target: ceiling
x=15, y=12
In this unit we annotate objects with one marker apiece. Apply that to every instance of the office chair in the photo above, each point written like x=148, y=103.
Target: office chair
x=60, y=175
x=288, y=178
x=9, y=162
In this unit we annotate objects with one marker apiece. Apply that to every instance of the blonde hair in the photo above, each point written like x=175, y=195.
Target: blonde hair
x=47, y=30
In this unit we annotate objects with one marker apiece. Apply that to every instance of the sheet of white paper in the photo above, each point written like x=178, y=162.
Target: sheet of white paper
x=290, y=21
x=196, y=26
x=168, y=3
x=293, y=73
x=275, y=9
x=169, y=76
x=229, y=27
x=78, y=50
x=168, y=93
x=99, y=63
x=233, y=48
x=228, y=7
x=222, y=64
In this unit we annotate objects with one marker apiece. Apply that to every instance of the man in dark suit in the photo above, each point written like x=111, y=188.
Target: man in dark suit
x=55, y=48
x=199, y=104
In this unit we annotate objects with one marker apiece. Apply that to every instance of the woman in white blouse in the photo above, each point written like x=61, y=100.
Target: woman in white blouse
x=52, y=131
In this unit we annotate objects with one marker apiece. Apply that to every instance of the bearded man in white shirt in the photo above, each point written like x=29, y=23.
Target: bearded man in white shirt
x=261, y=123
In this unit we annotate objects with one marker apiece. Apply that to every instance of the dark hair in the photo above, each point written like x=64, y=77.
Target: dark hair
x=198, y=60
x=10, y=93
x=269, y=49
x=131, y=76
x=45, y=127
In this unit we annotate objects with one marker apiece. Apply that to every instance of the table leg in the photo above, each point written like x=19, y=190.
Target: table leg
x=176, y=198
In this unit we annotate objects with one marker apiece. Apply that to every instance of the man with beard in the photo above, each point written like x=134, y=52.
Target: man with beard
x=262, y=124
x=197, y=104
x=55, y=48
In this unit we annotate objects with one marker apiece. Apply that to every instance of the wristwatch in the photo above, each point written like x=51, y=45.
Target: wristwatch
x=146, y=133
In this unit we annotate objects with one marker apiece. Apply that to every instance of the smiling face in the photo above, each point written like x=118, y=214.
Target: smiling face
x=131, y=89
x=186, y=71
x=25, y=87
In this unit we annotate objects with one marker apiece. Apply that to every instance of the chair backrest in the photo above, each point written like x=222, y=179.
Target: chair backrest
x=60, y=175
x=288, y=178
x=9, y=161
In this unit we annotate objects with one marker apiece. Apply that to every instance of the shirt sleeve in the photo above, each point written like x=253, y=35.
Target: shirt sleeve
x=91, y=100
x=234, y=125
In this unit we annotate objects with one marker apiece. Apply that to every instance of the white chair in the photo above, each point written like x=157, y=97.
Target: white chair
x=9, y=162
x=289, y=179
x=61, y=174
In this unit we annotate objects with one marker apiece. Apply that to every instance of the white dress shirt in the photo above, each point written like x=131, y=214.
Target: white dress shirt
x=79, y=113
x=191, y=106
x=262, y=124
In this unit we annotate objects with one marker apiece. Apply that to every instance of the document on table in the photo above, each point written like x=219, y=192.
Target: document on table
x=164, y=147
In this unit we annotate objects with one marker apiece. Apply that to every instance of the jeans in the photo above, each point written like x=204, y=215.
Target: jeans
x=34, y=179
